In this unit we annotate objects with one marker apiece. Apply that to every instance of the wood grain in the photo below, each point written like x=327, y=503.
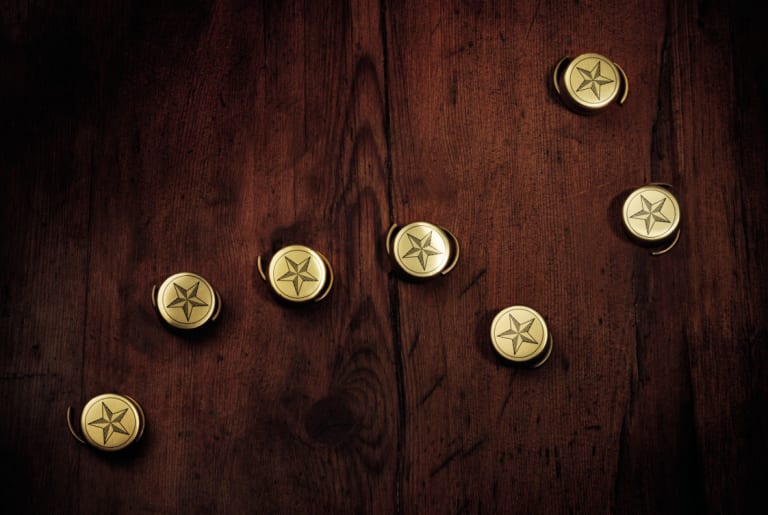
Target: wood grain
x=140, y=141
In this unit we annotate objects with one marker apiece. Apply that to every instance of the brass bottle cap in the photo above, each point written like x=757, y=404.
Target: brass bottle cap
x=111, y=422
x=422, y=250
x=590, y=82
x=299, y=274
x=186, y=301
x=651, y=215
x=520, y=335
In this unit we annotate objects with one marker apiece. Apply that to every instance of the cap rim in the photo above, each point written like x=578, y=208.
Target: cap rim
x=571, y=93
x=322, y=279
x=528, y=358
x=445, y=256
x=136, y=410
x=657, y=238
x=162, y=309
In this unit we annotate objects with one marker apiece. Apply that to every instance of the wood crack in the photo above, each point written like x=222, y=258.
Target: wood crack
x=394, y=296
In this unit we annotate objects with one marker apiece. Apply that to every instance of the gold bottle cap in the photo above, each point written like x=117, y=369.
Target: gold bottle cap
x=423, y=250
x=186, y=301
x=590, y=82
x=520, y=335
x=299, y=274
x=651, y=214
x=111, y=422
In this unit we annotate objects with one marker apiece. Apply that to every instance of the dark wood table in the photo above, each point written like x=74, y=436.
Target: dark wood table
x=139, y=141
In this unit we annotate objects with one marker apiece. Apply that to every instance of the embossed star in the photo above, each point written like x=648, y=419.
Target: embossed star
x=187, y=299
x=592, y=80
x=651, y=213
x=297, y=273
x=421, y=249
x=110, y=422
x=518, y=333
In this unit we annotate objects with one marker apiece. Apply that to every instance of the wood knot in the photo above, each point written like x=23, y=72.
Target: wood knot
x=330, y=421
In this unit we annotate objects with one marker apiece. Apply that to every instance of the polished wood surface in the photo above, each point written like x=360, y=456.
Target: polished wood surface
x=140, y=141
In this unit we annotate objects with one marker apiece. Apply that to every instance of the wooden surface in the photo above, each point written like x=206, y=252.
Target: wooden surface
x=141, y=141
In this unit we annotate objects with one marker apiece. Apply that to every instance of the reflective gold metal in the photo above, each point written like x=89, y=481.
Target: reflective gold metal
x=589, y=83
x=109, y=422
x=422, y=250
x=651, y=216
x=520, y=335
x=186, y=301
x=298, y=274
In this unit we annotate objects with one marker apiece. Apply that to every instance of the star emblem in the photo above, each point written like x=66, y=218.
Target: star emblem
x=187, y=299
x=592, y=80
x=110, y=422
x=518, y=333
x=297, y=273
x=421, y=249
x=651, y=213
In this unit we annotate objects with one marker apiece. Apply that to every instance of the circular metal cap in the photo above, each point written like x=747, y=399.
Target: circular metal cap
x=187, y=301
x=590, y=82
x=299, y=274
x=651, y=214
x=422, y=249
x=111, y=422
x=519, y=334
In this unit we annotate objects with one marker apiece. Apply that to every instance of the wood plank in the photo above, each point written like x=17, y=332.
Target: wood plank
x=581, y=439
x=139, y=141
x=690, y=438
x=264, y=129
x=659, y=438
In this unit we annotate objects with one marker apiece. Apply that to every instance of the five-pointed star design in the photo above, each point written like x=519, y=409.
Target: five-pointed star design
x=421, y=249
x=187, y=299
x=297, y=274
x=518, y=332
x=110, y=422
x=651, y=213
x=592, y=79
